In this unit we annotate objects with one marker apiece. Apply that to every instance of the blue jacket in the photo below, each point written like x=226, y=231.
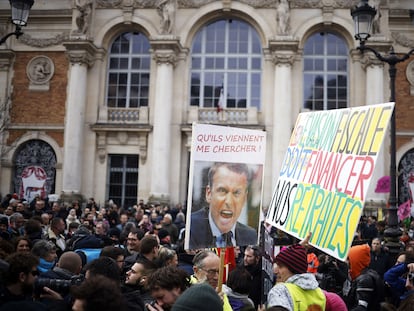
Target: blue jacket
x=395, y=280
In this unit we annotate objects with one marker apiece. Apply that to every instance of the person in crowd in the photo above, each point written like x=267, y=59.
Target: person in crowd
x=367, y=289
x=369, y=230
x=167, y=257
x=252, y=261
x=166, y=285
x=296, y=288
x=22, y=244
x=200, y=297
x=380, y=260
x=68, y=265
x=165, y=237
x=98, y=293
x=16, y=225
x=179, y=221
x=185, y=258
x=135, y=285
x=101, y=232
x=395, y=278
x=226, y=193
x=123, y=219
x=19, y=278
x=71, y=218
x=167, y=224
x=116, y=253
x=46, y=252
x=33, y=230
x=149, y=250
x=145, y=224
x=103, y=266
x=237, y=289
x=4, y=225
x=332, y=273
x=206, y=270
x=334, y=302
x=133, y=246
x=55, y=234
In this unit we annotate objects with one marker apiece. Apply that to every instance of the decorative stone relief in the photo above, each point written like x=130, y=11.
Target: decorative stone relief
x=319, y=4
x=42, y=43
x=376, y=21
x=108, y=3
x=283, y=17
x=193, y=3
x=40, y=70
x=409, y=72
x=166, y=9
x=402, y=39
x=84, y=17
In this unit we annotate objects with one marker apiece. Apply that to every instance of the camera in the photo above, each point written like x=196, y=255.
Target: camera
x=411, y=276
x=62, y=286
x=152, y=304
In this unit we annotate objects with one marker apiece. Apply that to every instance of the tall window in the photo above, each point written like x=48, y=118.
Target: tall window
x=123, y=179
x=226, y=63
x=325, y=72
x=129, y=71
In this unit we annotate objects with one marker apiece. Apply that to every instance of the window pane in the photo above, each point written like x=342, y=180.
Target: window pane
x=128, y=76
x=325, y=72
x=222, y=50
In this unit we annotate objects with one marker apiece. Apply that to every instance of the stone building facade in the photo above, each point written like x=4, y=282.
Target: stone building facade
x=98, y=96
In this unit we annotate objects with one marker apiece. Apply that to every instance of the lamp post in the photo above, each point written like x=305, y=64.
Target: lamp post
x=363, y=15
x=20, y=14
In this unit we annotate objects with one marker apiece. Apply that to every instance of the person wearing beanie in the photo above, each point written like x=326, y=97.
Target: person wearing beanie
x=367, y=287
x=200, y=297
x=297, y=289
x=334, y=302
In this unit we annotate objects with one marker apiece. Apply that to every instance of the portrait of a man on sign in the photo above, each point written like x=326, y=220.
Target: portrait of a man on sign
x=220, y=210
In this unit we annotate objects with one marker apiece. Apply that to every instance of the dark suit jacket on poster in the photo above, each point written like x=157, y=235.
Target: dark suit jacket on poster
x=202, y=237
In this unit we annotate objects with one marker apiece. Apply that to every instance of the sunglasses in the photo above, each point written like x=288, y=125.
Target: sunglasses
x=34, y=272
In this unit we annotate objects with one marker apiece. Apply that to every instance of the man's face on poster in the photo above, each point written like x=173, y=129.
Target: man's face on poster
x=226, y=197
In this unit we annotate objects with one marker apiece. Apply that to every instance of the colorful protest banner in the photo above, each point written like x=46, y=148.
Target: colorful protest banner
x=325, y=175
x=225, y=186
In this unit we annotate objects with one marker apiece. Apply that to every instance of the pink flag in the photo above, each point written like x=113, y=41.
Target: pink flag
x=404, y=210
x=383, y=185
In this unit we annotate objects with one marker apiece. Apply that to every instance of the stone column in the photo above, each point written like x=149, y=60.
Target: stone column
x=81, y=56
x=6, y=59
x=374, y=94
x=165, y=54
x=283, y=55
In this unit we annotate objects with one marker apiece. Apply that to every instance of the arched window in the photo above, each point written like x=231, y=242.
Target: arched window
x=406, y=177
x=129, y=71
x=34, y=170
x=226, y=66
x=325, y=74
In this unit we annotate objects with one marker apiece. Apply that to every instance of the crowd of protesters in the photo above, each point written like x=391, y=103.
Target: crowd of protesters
x=85, y=257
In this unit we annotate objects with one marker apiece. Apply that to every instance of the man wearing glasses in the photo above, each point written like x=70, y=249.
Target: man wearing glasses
x=226, y=194
x=206, y=270
x=19, y=279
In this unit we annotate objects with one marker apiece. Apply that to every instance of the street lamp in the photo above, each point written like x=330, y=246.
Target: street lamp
x=363, y=15
x=20, y=14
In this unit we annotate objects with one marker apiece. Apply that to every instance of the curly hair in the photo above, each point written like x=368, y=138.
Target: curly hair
x=18, y=263
x=168, y=277
x=99, y=293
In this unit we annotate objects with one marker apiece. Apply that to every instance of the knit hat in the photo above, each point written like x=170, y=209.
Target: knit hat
x=334, y=302
x=359, y=258
x=200, y=297
x=294, y=258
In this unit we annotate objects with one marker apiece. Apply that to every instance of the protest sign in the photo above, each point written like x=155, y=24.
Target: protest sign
x=225, y=186
x=325, y=175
